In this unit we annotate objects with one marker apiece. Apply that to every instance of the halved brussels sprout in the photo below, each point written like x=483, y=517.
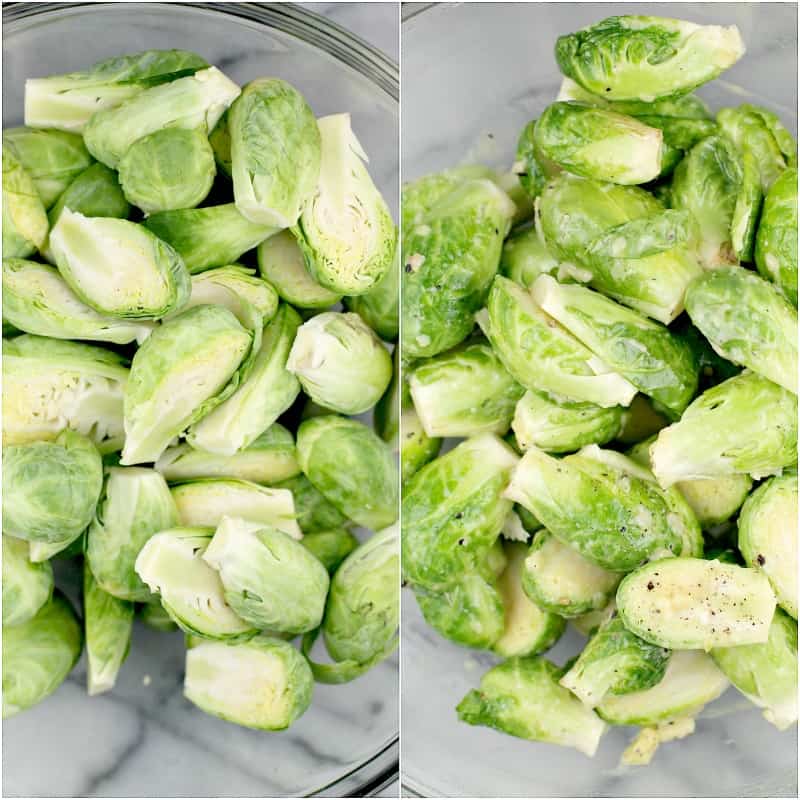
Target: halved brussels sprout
x=380, y=306
x=312, y=510
x=776, y=238
x=26, y=586
x=215, y=285
x=416, y=447
x=330, y=547
x=25, y=222
x=525, y=257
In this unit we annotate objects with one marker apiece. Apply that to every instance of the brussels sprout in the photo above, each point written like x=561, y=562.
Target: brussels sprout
x=615, y=661
x=220, y=140
x=268, y=390
x=71, y=548
x=345, y=231
x=745, y=424
x=36, y=299
x=275, y=152
x=562, y=426
x=464, y=392
x=766, y=673
x=522, y=697
x=691, y=603
x=340, y=362
x=50, y=384
x=109, y=623
x=39, y=654
x=531, y=168
x=386, y=417
x=171, y=565
x=528, y=520
x=776, y=238
x=136, y=504
x=68, y=101
x=450, y=257
x=146, y=279
x=647, y=58
x=644, y=745
x=453, y=511
x=26, y=586
x=208, y=237
x=154, y=616
x=637, y=252
x=264, y=683
x=270, y=580
x=525, y=257
x=640, y=421
x=513, y=529
x=205, y=502
x=50, y=489
x=330, y=547
x=189, y=102
x=215, y=285
x=560, y=580
x=351, y=467
x=168, y=169
x=186, y=368
x=52, y=158
x=416, y=447
x=528, y=629
x=691, y=680
x=768, y=536
x=25, y=222
x=380, y=306
x=544, y=356
x=312, y=510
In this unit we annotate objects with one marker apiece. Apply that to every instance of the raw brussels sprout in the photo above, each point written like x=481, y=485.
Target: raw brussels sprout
x=766, y=673
x=416, y=447
x=275, y=152
x=745, y=424
x=26, y=586
x=154, y=616
x=562, y=426
x=691, y=603
x=351, y=467
x=647, y=58
x=525, y=257
x=768, y=536
x=560, y=580
x=108, y=622
x=345, y=230
x=615, y=661
x=528, y=629
x=171, y=564
x=271, y=458
x=270, y=580
x=464, y=392
x=599, y=143
x=264, y=683
x=453, y=511
x=776, y=238
x=71, y=548
x=186, y=368
x=36, y=299
x=208, y=237
x=25, y=222
x=747, y=321
x=205, y=502
x=313, y=512
x=50, y=384
x=194, y=101
x=450, y=257
x=330, y=547
x=655, y=361
x=691, y=680
x=68, y=101
x=257, y=402
x=168, y=169
x=215, y=285
x=380, y=306
x=52, y=158
x=340, y=363
x=136, y=504
x=636, y=252
x=50, y=489
x=220, y=140
x=522, y=697
x=544, y=356
x=147, y=278
x=39, y=654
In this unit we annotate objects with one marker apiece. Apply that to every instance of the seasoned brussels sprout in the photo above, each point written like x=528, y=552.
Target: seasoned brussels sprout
x=136, y=504
x=345, y=231
x=380, y=306
x=154, y=616
x=39, y=654
x=214, y=286
x=746, y=424
x=647, y=58
x=351, y=467
x=313, y=512
x=264, y=683
x=522, y=697
x=768, y=536
x=776, y=238
x=26, y=586
x=525, y=257
x=25, y=222
x=340, y=362
x=416, y=447
x=330, y=547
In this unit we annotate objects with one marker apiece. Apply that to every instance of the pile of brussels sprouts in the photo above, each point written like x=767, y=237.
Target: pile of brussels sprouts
x=627, y=401
x=200, y=460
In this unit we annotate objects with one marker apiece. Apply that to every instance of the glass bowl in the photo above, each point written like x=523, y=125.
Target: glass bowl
x=143, y=738
x=473, y=74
